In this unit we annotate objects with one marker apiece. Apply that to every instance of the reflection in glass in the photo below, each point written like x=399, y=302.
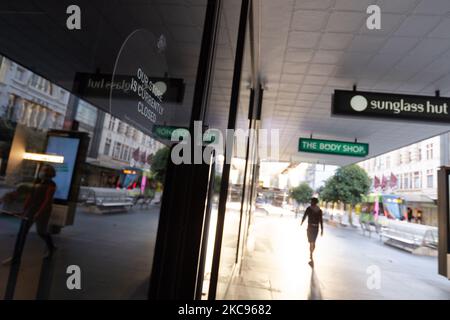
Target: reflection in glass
x=236, y=215
x=109, y=231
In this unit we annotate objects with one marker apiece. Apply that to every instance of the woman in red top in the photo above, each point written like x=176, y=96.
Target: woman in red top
x=38, y=205
x=37, y=209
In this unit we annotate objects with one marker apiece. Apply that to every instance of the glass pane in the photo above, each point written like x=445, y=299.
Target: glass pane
x=235, y=215
x=218, y=113
x=84, y=122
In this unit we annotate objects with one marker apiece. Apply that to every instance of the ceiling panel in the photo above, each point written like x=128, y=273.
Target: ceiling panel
x=327, y=46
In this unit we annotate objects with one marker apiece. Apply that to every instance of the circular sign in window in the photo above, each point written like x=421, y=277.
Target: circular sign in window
x=137, y=92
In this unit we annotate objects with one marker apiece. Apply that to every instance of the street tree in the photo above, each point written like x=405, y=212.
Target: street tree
x=159, y=164
x=302, y=194
x=348, y=185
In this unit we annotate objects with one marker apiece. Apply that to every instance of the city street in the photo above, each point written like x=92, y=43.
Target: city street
x=276, y=266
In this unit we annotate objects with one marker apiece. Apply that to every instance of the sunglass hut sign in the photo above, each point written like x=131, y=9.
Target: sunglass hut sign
x=397, y=107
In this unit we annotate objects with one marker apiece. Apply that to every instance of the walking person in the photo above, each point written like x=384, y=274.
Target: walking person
x=419, y=216
x=409, y=214
x=315, y=219
x=37, y=209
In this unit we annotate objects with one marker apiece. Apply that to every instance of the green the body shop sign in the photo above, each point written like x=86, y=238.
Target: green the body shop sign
x=340, y=148
x=166, y=132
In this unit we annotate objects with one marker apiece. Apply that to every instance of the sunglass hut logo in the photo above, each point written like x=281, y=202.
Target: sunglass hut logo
x=360, y=103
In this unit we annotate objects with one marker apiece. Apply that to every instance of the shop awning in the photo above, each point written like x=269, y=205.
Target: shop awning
x=422, y=198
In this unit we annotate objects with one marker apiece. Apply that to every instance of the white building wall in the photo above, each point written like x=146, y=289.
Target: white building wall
x=32, y=100
x=322, y=174
x=415, y=166
x=38, y=107
x=128, y=137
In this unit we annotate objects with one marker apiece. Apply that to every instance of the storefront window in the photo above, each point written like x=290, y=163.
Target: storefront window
x=77, y=122
x=236, y=215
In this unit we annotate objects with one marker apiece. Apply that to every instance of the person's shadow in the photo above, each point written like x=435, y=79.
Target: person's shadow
x=314, y=292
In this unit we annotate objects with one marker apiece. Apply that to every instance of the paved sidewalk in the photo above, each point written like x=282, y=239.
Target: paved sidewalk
x=276, y=266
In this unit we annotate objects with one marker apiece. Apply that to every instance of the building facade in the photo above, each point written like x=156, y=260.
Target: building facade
x=410, y=172
x=30, y=100
x=317, y=175
x=27, y=98
x=123, y=145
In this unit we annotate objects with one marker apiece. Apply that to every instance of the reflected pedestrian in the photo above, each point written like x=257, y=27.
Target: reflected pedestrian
x=315, y=219
x=419, y=216
x=410, y=214
x=37, y=209
x=38, y=206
